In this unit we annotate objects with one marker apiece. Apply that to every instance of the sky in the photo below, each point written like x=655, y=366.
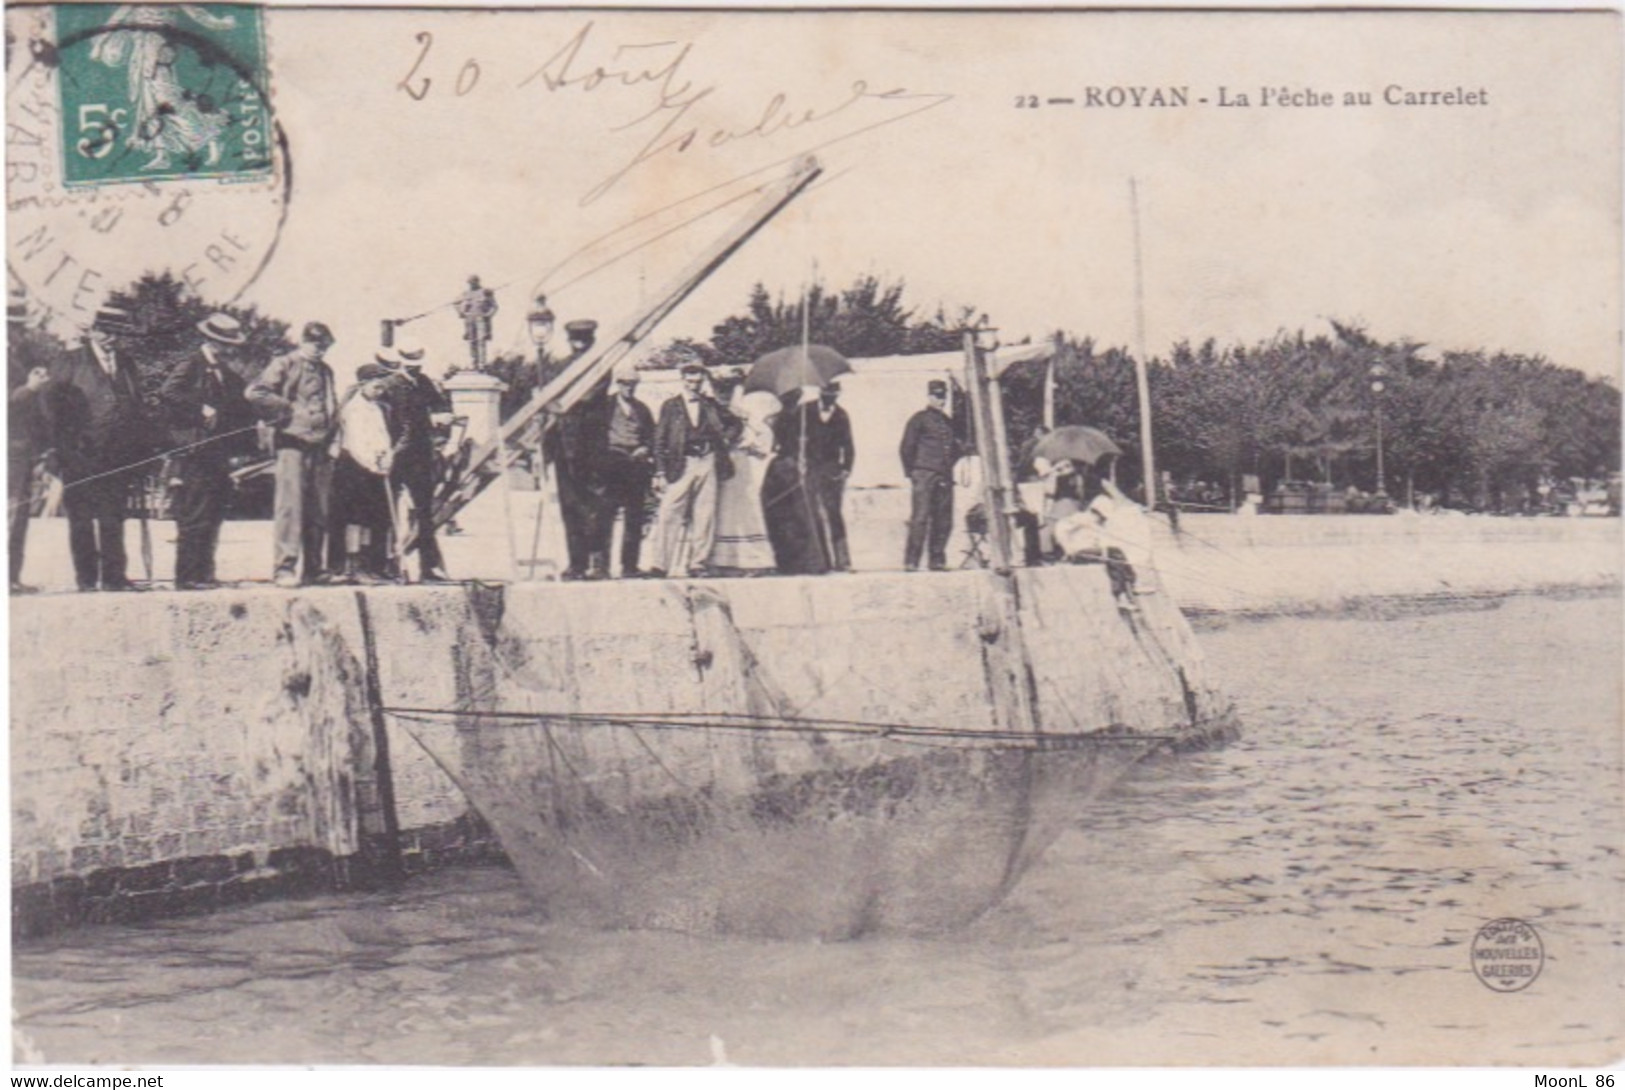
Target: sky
x=427, y=146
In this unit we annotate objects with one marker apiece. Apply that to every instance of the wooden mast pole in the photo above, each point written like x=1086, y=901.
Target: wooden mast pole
x=989, y=452
x=1014, y=689
x=1142, y=381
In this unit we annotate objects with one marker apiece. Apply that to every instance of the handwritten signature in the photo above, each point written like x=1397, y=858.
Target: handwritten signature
x=668, y=121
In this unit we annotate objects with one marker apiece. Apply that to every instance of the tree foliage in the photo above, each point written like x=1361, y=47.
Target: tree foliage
x=865, y=320
x=166, y=313
x=1479, y=428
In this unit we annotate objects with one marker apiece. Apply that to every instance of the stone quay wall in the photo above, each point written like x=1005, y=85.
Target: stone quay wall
x=178, y=752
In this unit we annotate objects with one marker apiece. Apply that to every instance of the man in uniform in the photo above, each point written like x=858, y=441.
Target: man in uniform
x=574, y=448
x=929, y=451
x=629, y=444
x=691, y=452
x=204, y=399
x=296, y=394
x=102, y=436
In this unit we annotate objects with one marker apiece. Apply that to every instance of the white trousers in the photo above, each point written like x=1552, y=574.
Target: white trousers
x=688, y=518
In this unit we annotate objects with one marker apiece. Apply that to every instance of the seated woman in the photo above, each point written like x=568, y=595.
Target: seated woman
x=1093, y=522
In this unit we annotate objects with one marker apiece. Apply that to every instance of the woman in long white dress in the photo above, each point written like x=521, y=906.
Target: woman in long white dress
x=741, y=545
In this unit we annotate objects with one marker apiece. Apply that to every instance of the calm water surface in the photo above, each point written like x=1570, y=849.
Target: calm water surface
x=1306, y=895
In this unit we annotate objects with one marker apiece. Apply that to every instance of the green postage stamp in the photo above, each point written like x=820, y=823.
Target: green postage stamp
x=162, y=91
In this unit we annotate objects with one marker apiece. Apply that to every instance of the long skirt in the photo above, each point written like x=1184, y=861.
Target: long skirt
x=741, y=542
x=360, y=498
x=793, y=523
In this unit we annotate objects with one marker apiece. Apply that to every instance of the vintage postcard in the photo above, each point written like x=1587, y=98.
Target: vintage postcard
x=814, y=538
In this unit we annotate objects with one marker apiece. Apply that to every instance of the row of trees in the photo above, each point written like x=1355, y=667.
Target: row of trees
x=165, y=313
x=1474, y=428
x=863, y=321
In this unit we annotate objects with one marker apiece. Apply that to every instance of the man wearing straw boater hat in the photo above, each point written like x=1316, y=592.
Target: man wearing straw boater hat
x=102, y=437
x=207, y=411
x=413, y=403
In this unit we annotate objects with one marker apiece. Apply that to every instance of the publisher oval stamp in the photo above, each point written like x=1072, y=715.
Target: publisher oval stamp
x=1507, y=955
x=140, y=138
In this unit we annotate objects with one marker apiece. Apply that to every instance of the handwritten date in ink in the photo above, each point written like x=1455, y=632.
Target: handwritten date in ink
x=654, y=98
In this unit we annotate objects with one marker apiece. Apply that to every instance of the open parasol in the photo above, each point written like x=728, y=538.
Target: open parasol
x=1076, y=443
x=786, y=369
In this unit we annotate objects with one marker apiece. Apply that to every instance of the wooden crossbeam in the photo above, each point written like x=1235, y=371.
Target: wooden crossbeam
x=523, y=430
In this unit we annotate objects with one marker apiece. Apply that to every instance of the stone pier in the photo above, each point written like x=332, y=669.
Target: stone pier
x=178, y=752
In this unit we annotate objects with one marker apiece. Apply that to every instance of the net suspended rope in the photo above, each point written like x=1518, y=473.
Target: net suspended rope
x=1116, y=734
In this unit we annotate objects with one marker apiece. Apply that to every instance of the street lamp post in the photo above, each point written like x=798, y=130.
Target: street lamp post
x=1377, y=374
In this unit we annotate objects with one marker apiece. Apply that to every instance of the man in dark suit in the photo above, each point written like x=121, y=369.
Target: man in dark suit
x=203, y=398
x=571, y=448
x=102, y=435
x=929, y=451
x=413, y=402
x=691, y=452
x=628, y=445
x=829, y=463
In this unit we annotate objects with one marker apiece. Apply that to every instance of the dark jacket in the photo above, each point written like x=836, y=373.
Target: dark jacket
x=189, y=387
x=298, y=395
x=829, y=444
x=99, y=421
x=643, y=421
x=675, y=437
x=412, y=403
x=29, y=431
x=929, y=443
x=578, y=445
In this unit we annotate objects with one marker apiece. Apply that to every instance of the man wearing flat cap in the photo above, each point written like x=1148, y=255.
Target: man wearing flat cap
x=929, y=451
x=691, y=452
x=203, y=398
x=102, y=435
x=297, y=396
x=629, y=443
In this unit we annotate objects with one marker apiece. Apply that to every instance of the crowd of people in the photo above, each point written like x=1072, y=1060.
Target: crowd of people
x=727, y=482
x=342, y=459
x=718, y=481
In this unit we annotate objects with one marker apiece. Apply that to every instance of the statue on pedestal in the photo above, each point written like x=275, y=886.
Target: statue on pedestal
x=475, y=307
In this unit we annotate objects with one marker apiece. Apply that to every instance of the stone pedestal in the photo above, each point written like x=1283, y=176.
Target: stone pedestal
x=477, y=397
